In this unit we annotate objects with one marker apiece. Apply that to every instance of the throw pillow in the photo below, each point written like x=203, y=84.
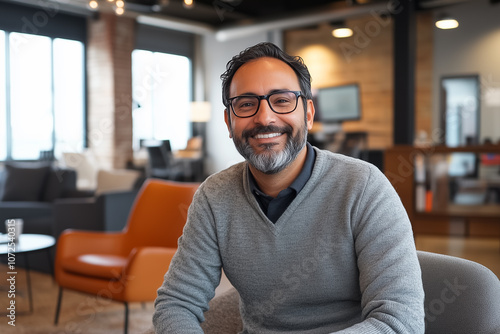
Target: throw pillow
x=58, y=183
x=24, y=182
x=116, y=180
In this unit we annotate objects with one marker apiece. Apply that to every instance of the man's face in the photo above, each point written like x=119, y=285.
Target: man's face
x=269, y=141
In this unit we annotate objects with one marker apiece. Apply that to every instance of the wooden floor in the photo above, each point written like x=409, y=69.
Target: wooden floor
x=485, y=251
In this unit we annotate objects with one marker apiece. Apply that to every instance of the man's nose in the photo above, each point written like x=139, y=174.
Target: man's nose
x=265, y=115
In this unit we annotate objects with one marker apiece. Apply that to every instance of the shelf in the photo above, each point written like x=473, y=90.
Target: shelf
x=464, y=211
x=425, y=171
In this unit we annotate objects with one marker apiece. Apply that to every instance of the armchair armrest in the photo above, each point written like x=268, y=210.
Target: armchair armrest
x=146, y=268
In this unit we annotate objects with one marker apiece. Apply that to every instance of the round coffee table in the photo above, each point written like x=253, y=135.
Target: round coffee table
x=27, y=243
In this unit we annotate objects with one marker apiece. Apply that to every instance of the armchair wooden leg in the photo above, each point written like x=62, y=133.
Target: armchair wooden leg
x=58, y=307
x=125, y=331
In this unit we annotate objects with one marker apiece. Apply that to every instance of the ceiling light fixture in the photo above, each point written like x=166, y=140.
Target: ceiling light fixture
x=446, y=22
x=188, y=4
x=119, y=5
x=93, y=4
x=340, y=30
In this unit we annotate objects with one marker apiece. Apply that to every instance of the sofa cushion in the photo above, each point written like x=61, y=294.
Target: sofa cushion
x=2, y=180
x=116, y=180
x=24, y=182
x=59, y=183
x=105, y=266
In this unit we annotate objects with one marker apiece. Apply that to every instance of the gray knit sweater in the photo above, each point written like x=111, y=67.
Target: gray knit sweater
x=341, y=258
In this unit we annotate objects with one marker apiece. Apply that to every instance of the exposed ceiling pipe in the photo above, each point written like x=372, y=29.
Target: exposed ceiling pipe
x=429, y=4
x=176, y=24
x=238, y=31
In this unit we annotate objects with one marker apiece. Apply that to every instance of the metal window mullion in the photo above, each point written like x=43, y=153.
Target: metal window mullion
x=53, y=104
x=8, y=124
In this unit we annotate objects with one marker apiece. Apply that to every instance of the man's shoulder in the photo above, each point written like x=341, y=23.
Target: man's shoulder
x=339, y=168
x=341, y=163
x=230, y=177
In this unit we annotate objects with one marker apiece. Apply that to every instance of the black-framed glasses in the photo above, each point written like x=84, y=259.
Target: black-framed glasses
x=281, y=102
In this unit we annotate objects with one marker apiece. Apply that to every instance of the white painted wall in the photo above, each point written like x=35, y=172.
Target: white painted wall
x=472, y=48
x=220, y=148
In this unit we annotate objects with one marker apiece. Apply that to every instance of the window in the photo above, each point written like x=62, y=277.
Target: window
x=41, y=95
x=3, y=100
x=161, y=91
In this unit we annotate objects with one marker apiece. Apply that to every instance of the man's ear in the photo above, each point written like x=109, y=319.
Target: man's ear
x=227, y=119
x=310, y=114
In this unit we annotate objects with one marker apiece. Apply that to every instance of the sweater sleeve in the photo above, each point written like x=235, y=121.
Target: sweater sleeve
x=193, y=275
x=389, y=272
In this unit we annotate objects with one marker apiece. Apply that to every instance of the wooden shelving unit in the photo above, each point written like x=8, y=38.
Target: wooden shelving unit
x=446, y=218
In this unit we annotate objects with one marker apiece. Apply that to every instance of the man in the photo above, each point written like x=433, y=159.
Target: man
x=314, y=242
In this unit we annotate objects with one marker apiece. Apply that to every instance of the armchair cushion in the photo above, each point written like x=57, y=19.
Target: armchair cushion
x=105, y=266
x=24, y=183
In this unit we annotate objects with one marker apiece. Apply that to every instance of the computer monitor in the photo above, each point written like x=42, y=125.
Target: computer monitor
x=337, y=104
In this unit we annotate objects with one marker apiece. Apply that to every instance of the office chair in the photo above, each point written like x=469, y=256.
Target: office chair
x=127, y=266
x=161, y=163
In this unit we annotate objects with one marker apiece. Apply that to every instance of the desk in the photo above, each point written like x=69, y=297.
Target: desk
x=29, y=243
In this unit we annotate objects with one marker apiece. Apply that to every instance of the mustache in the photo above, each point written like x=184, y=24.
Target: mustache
x=287, y=129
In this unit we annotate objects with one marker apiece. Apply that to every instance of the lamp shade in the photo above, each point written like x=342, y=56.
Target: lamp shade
x=200, y=111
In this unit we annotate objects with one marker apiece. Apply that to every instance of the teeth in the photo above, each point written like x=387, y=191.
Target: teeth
x=267, y=135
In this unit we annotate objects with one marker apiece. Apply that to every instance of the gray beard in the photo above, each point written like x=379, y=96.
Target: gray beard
x=270, y=161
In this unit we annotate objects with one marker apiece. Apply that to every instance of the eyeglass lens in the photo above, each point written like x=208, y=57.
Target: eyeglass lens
x=281, y=103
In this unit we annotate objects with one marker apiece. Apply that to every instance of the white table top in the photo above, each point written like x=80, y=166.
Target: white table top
x=27, y=243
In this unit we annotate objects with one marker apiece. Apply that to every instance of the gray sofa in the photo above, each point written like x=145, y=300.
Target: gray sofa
x=29, y=191
x=47, y=199
x=104, y=212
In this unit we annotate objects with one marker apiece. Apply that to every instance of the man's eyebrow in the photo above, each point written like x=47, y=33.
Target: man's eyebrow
x=270, y=92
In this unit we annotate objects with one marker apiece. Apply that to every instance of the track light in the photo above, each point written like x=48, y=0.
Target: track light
x=446, y=22
x=119, y=5
x=340, y=30
x=188, y=4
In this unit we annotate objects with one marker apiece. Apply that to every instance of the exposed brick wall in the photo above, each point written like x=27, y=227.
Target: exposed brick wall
x=109, y=48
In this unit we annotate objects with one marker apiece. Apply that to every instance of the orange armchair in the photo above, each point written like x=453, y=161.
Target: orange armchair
x=127, y=266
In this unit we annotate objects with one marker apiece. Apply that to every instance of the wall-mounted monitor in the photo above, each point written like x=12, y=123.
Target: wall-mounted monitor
x=339, y=103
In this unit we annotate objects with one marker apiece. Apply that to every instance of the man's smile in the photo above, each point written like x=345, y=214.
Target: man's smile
x=267, y=135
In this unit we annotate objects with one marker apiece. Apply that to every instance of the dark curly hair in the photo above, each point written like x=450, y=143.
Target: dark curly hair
x=260, y=50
